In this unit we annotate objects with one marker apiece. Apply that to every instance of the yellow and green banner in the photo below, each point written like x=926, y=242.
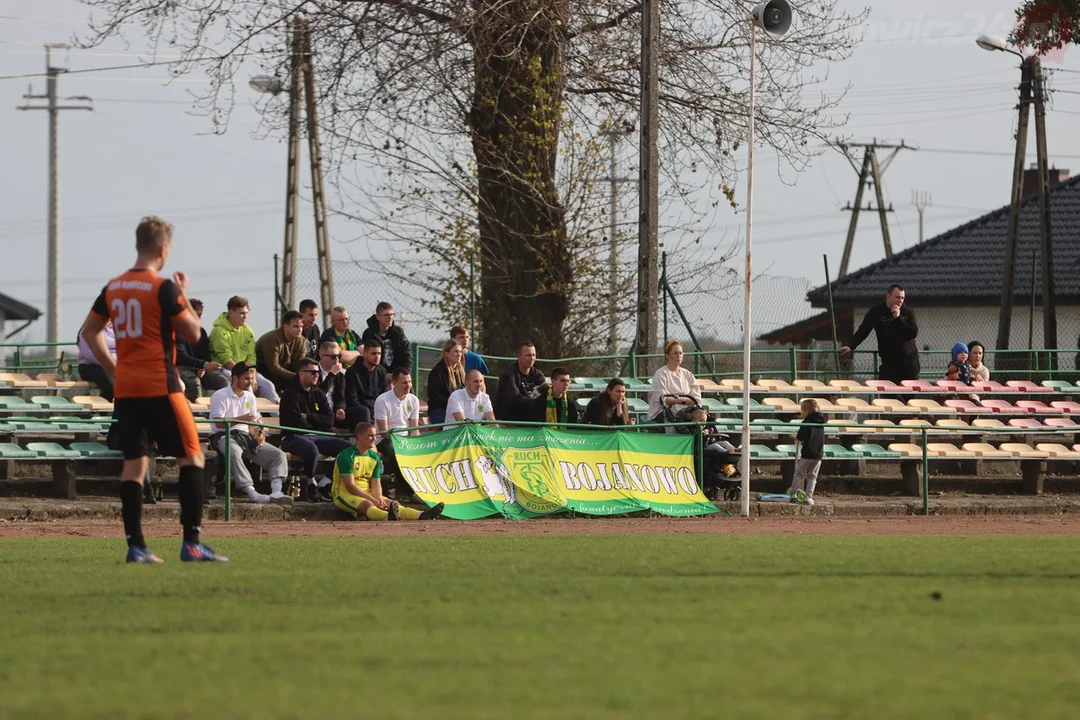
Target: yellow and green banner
x=482, y=470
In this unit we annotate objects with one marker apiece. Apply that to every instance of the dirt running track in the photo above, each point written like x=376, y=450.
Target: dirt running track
x=949, y=525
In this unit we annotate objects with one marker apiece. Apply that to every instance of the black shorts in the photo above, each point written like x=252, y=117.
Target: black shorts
x=165, y=421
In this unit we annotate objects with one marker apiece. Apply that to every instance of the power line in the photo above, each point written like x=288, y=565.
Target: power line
x=133, y=66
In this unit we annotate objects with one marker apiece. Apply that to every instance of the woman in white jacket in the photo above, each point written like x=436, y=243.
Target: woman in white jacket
x=673, y=379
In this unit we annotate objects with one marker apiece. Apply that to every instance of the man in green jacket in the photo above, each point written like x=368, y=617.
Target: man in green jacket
x=280, y=351
x=232, y=341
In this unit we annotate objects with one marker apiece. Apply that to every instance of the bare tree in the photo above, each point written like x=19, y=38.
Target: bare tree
x=479, y=94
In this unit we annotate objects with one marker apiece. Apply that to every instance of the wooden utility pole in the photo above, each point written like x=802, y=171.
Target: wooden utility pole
x=1011, y=238
x=649, y=188
x=302, y=90
x=1046, y=239
x=871, y=172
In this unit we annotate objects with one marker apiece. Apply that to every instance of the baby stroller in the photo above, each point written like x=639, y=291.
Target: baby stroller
x=721, y=478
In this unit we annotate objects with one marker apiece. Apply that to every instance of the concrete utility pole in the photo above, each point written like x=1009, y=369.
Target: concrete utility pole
x=1045, y=236
x=648, y=296
x=922, y=200
x=50, y=96
x=1011, y=238
x=613, y=131
x=871, y=172
x=302, y=91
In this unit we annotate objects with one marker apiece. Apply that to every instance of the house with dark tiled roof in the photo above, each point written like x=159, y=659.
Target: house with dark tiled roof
x=953, y=281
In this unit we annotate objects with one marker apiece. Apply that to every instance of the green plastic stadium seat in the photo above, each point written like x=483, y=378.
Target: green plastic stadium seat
x=96, y=451
x=637, y=405
x=16, y=404
x=635, y=385
x=715, y=406
x=582, y=403
x=787, y=448
x=738, y=402
x=766, y=453
x=57, y=403
x=35, y=426
x=728, y=423
x=11, y=451
x=589, y=383
x=839, y=451
x=874, y=451
x=1059, y=385
x=52, y=450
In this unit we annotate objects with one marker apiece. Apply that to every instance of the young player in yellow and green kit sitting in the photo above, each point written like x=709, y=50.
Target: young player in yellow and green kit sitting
x=357, y=487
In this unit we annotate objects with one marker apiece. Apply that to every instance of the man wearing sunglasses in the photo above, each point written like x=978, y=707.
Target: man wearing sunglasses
x=304, y=409
x=332, y=384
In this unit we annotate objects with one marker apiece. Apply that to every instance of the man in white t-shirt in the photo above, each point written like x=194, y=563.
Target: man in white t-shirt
x=470, y=403
x=237, y=402
x=396, y=408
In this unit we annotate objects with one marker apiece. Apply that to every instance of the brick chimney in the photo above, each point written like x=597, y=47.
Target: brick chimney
x=1031, y=179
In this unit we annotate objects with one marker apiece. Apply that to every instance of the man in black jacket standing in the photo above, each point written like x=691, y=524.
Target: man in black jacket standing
x=304, y=407
x=365, y=381
x=396, y=351
x=896, y=330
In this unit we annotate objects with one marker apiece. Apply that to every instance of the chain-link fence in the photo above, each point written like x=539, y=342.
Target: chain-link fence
x=789, y=335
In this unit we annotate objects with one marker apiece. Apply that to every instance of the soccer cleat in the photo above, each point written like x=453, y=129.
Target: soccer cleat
x=809, y=500
x=197, y=552
x=392, y=511
x=800, y=496
x=142, y=556
x=432, y=512
x=323, y=493
x=281, y=499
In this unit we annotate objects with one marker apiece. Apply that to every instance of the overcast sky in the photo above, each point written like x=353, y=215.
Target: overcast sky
x=917, y=76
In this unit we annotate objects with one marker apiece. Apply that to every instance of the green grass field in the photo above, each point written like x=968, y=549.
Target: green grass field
x=545, y=627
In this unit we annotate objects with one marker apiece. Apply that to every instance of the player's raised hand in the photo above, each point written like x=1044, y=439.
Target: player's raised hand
x=180, y=279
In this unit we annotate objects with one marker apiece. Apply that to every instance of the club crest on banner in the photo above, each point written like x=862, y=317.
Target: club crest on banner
x=531, y=474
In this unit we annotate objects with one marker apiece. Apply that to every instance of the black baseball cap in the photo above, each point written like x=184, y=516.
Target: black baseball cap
x=241, y=367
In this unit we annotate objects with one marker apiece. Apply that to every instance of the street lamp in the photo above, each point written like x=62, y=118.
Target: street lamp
x=774, y=17
x=995, y=42
x=267, y=84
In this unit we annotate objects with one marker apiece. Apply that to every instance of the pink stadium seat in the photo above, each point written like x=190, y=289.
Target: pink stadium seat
x=883, y=385
x=1004, y=406
x=952, y=385
x=920, y=385
x=1025, y=423
x=965, y=406
x=1061, y=422
x=1076, y=447
x=989, y=386
x=1025, y=385
x=1066, y=406
x=1039, y=407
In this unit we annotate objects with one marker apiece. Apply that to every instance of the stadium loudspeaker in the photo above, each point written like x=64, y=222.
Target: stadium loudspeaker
x=773, y=16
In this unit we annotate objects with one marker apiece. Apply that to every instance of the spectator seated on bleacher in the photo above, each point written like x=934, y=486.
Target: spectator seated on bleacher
x=472, y=361
x=960, y=360
x=90, y=369
x=445, y=377
x=365, y=381
x=470, y=403
x=233, y=341
x=979, y=372
x=347, y=339
x=396, y=408
x=193, y=362
x=309, y=313
x=671, y=379
x=304, y=406
x=238, y=402
x=608, y=408
x=332, y=383
x=558, y=409
x=381, y=328
x=279, y=352
x=522, y=387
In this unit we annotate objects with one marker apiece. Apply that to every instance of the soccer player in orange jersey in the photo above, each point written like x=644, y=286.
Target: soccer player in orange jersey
x=147, y=312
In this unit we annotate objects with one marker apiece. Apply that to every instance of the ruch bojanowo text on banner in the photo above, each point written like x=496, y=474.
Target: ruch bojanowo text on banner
x=482, y=470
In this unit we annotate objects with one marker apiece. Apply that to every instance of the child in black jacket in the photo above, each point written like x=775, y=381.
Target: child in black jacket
x=812, y=440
